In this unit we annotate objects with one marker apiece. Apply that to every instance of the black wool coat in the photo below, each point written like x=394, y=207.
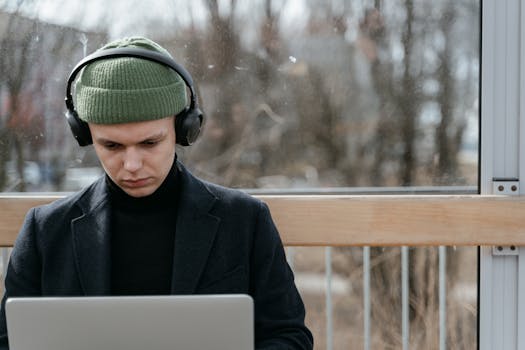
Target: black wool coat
x=226, y=242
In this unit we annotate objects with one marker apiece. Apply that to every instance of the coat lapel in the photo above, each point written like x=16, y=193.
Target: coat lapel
x=91, y=240
x=195, y=233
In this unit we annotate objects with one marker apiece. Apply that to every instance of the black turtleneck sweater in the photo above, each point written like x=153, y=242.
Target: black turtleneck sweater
x=142, y=238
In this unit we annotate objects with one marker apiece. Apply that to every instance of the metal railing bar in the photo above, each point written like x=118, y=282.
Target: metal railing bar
x=329, y=313
x=306, y=191
x=6, y=252
x=442, y=298
x=290, y=257
x=365, y=190
x=405, y=325
x=366, y=297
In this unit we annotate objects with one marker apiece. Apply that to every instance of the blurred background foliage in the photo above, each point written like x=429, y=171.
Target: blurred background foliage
x=298, y=94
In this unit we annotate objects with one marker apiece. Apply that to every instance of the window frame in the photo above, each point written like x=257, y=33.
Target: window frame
x=355, y=220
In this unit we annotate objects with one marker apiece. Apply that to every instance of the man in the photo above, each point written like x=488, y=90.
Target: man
x=149, y=227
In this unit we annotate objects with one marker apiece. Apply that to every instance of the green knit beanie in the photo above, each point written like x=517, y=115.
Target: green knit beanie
x=128, y=89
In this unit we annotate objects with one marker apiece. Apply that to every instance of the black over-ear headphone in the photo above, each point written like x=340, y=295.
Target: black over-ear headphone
x=187, y=123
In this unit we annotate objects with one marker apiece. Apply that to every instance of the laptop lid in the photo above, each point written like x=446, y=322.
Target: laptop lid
x=195, y=322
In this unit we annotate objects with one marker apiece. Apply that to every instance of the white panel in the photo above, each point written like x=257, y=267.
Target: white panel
x=521, y=300
x=521, y=262
x=498, y=312
x=512, y=60
x=489, y=86
x=496, y=89
x=521, y=101
x=498, y=286
x=502, y=277
x=509, y=300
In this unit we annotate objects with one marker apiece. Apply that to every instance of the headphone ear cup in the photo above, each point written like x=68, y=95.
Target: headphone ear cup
x=188, y=126
x=79, y=128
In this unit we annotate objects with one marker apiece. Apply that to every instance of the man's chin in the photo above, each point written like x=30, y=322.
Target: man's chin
x=139, y=192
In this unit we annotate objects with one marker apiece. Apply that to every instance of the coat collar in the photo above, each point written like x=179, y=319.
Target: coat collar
x=91, y=241
x=195, y=233
x=196, y=230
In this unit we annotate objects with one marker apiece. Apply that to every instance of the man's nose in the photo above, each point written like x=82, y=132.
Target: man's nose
x=132, y=160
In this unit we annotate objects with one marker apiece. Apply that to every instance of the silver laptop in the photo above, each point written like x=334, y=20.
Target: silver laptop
x=196, y=322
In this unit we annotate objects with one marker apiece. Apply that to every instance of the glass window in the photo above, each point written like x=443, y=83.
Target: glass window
x=299, y=96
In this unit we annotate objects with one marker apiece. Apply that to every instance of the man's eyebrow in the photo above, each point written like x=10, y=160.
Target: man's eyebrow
x=102, y=140
x=154, y=137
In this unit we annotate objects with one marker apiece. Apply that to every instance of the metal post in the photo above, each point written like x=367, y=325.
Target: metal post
x=366, y=297
x=329, y=316
x=290, y=256
x=442, y=298
x=405, y=326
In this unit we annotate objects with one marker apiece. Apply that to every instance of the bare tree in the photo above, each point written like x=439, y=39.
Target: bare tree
x=448, y=133
x=19, y=46
x=409, y=101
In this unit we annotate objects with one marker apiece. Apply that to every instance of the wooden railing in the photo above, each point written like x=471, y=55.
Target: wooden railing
x=361, y=220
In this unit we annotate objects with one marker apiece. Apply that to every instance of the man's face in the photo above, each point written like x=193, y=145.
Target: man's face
x=136, y=156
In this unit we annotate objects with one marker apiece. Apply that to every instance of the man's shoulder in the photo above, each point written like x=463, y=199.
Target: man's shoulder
x=230, y=194
x=227, y=201
x=71, y=202
x=222, y=194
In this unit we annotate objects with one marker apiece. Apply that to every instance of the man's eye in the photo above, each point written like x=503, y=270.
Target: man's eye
x=111, y=146
x=150, y=143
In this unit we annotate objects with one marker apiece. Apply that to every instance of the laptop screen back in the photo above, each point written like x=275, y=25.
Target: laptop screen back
x=197, y=322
